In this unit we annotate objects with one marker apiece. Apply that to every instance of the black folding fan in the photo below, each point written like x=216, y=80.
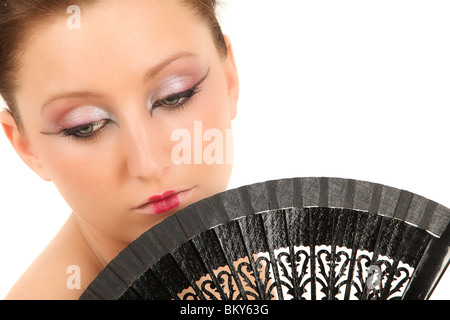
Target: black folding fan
x=301, y=238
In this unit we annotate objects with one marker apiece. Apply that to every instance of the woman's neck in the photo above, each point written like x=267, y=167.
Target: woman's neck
x=101, y=246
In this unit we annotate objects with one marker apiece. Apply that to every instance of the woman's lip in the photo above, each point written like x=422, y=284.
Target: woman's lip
x=163, y=203
x=162, y=196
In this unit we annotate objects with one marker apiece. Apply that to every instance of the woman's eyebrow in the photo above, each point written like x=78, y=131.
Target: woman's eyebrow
x=155, y=70
x=68, y=95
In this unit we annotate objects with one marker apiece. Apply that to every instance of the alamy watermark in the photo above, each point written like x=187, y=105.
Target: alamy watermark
x=210, y=147
x=74, y=280
x=374, y=278
x=74, y=21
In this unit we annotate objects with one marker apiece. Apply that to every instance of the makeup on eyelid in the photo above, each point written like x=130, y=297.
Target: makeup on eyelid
x=176, y=79
x=176, y=84
x=78, y=117
x=172, y=86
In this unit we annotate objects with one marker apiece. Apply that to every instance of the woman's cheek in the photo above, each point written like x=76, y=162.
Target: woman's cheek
x=80, y=175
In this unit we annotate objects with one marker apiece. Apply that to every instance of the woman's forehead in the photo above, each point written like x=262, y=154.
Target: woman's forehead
x=113, y=42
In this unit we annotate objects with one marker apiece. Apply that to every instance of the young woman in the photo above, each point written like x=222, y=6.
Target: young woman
x=101, y=94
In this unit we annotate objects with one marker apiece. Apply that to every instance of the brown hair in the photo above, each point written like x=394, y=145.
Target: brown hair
x=17, y=18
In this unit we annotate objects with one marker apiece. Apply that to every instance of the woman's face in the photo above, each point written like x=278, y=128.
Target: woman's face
x=109, y=110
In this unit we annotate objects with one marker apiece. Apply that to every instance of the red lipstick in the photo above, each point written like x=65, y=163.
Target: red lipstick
x=163, y=203
x=162, y=196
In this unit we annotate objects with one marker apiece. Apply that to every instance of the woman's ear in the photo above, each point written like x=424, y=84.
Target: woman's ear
x=22, y=145
x=232, y=78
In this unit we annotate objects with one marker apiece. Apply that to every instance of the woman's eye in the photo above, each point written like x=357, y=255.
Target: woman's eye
x=172, y=101
x=177, y=100
x=86, y=130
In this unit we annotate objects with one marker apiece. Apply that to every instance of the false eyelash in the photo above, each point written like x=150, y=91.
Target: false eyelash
x=72, y=132
x=188, y=95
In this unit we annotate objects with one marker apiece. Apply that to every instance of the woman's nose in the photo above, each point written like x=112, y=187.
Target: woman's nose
x=147, y=150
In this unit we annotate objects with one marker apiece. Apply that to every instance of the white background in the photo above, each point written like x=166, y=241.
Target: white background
x=353, y=89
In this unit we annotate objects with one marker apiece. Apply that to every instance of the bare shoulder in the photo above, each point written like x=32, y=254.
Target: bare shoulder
x=61, y=272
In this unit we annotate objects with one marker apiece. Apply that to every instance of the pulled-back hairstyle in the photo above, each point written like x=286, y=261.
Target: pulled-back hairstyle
x=18, y=17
